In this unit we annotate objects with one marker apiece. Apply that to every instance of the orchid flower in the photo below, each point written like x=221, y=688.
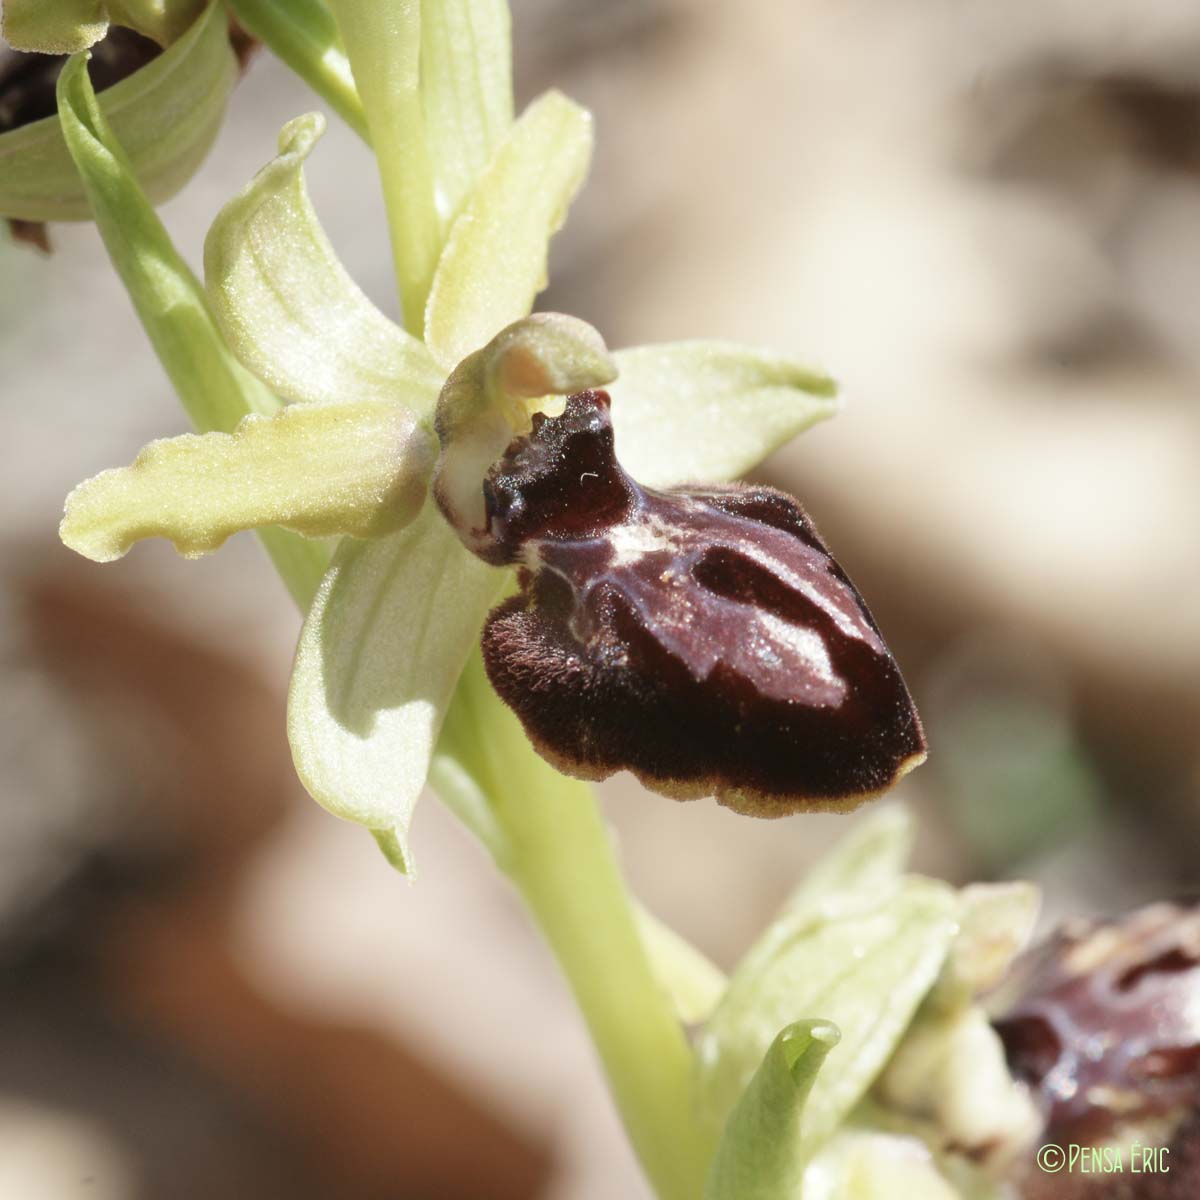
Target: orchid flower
x=403, y=603
x=443, y=456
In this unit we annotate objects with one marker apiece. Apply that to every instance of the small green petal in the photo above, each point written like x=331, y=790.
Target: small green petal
x=165, y=116
x=466, y=92
x=216, y=391
x=866, y=971
x=288, y=308
x=727, y=407
x=694, y=984
x=380, y=653
x=764, y=1147
x=304, y=35
x=360, y=470
x=54, y=27
x=494, y=263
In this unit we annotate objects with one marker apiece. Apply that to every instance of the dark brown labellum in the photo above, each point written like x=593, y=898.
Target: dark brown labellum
x=702, y=638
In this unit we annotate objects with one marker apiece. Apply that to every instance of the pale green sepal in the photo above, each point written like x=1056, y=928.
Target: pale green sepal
x=164, y=115
x=358, y=469
x=763, y=1150
x=216, y=391
x=861, y=1164
x=727, y=407
x=694, y=984
x=53, y=26
x=379, y=656
x=865, y=864
x=490, y=398
x=867, y=860
x=288, y=308
x=304, y=35
x=866, y=970
x=494, y=263
x=466, y=92
x=996, y=923
x=383, y=42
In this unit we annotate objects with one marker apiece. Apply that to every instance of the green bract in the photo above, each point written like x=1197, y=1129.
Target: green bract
x=164, y=116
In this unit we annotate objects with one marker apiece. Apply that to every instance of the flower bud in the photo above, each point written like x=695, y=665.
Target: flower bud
x=701, y=637
x=1105, y=1026
x=165, y=108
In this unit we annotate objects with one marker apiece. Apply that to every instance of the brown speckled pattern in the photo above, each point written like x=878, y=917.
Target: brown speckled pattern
x=702, y=638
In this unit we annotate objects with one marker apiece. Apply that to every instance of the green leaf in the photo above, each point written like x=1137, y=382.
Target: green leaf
x=726, y=406
x=865, y=970
x=466, y=92
x=383, y=41
x=215, y=390
x=494, y=263
x=304, y=35
x=694, y=984
x=288, y=308
x=360, y=470
x=165, y=116
x=59, y=27
x=380, y=653
x=764, y=1148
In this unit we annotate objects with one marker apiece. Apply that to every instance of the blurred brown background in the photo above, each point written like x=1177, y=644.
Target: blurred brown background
x=985, y=219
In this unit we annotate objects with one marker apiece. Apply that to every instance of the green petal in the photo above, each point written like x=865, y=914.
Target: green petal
x=59, y=27
x=866, y=971
x=764, y=1147
x=321, y=470
x=466, y=92
x=288, y=308
x=494, y=263
x=215, y=390
x=727, y=407
x=164, y=115
x=694, y=984
x=381, y=650
x=304, y=35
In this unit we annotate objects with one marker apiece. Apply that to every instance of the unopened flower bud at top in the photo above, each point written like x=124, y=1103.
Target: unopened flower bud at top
x=701, y=637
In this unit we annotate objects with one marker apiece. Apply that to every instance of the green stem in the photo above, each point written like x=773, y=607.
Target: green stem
x=304, y=35
x=555, y=848
x=383, y=41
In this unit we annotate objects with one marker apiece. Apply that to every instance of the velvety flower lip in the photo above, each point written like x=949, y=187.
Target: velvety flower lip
x=701, y=637
x=1105, y=1021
